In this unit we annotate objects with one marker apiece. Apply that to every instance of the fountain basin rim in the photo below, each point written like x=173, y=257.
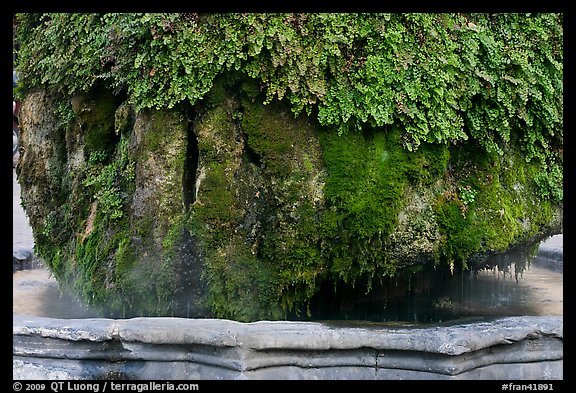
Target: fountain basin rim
x=453, y=339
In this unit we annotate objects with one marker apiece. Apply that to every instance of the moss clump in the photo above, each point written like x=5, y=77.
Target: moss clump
x=427, y=123
x=249, y=212
x=288, y=211
x=241, y=286
x=365, y=181
x=95, y=113
x=428, y=164
x=289, y=155
x=463, y=233
x=120, y=250
x=490, y=203
x=259, y=181
x=274, y=135
x=217, y=201
x=226, y=212
x=368, y=174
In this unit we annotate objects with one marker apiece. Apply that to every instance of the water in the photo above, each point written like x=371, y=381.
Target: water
x=35, y=292
x=537, y=291
x=514, y=287
x=513, y=284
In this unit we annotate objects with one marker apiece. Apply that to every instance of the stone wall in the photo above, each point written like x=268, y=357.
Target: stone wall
x=512, y=348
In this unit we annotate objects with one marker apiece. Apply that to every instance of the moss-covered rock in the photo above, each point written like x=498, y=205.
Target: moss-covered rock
x=236, y=209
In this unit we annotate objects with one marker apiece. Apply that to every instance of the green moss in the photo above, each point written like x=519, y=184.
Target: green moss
x=364, y=194
x=462, y=231
x=96, y=115
x=241, y=286
x=159, y=128
x=273, y=249
x=427, y=164
x=120, y=264
x=217, y=203
x=490, y=203
x=283, y=207
x=143, y=229
x=293, y=251
x=84, y=276
x=106, y=181
x=125, y=257
x=274, y=135
x=143, y=281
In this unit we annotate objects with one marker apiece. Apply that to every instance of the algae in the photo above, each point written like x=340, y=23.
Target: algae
x=236, y=209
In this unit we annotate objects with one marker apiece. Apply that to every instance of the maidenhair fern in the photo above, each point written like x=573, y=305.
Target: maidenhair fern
x=443, y=78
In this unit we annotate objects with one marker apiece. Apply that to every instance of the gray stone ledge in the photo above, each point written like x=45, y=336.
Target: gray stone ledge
x=179, y=348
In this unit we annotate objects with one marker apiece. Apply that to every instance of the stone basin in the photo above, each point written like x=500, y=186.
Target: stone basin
x=508, y=348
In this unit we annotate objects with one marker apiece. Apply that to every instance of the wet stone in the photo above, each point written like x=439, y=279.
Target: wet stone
x=22, y=259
